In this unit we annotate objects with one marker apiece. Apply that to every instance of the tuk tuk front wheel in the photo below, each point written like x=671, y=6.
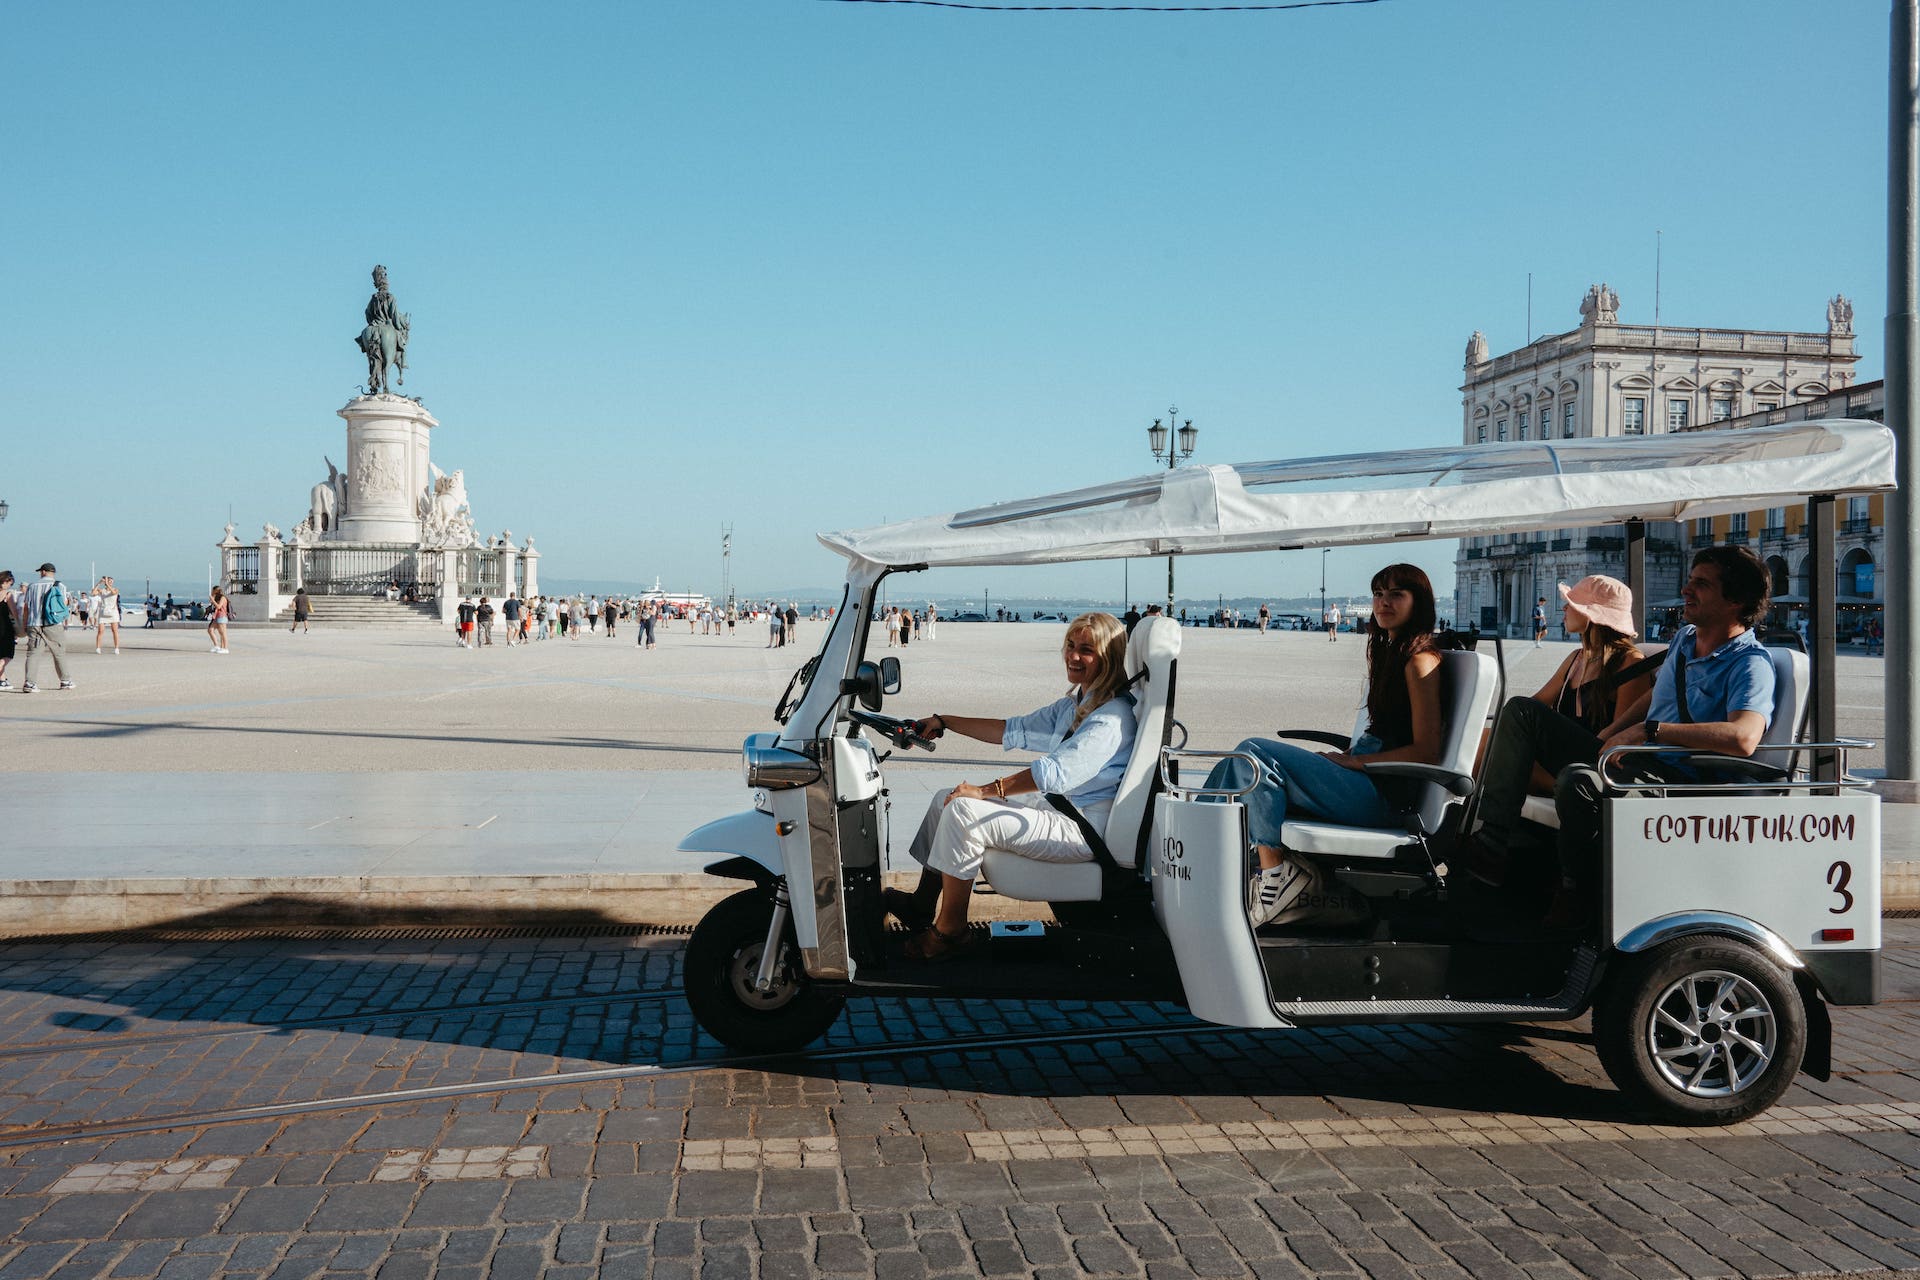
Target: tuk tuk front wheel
x=719, y=973
x=1702, y=1031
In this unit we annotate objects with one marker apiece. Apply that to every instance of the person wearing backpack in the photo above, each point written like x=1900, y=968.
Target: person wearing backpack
x=46, y=612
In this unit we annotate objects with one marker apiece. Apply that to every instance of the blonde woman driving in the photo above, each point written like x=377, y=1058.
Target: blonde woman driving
x=1088, y=737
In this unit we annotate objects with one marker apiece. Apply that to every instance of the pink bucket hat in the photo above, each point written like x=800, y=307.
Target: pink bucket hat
x=1607, y=601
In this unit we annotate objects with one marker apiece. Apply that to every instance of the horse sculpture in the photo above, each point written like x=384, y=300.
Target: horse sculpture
x=384, y=340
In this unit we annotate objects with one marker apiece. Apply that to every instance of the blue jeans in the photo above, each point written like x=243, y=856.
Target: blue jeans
x=1295, y=782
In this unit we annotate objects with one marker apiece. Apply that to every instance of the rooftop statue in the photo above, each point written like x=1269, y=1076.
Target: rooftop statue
x=384, y=339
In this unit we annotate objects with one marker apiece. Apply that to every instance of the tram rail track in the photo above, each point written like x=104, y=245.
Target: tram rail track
x=43, y=1135
x=51, y=1048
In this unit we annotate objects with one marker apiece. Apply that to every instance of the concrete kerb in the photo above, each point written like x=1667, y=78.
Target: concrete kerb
x=38, y=908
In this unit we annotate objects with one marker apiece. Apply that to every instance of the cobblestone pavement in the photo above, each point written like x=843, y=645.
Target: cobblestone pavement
x=999, y=1138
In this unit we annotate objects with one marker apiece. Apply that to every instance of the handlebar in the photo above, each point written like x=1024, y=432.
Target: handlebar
x=899, y=732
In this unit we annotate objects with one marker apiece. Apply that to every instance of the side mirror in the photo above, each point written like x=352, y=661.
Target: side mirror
x=890, y=675
x=866, y=684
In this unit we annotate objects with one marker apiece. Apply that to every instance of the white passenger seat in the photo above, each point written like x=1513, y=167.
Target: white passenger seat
x=1154, y=647
x=1468, y=682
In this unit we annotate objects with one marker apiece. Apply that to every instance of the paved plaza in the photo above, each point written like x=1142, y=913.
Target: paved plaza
x=395, y=773
x=464, y=1107
x=468, y=1102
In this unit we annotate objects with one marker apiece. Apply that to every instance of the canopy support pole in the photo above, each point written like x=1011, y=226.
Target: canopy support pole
x=1902, y=661
x=1822, y=586
x=1637, y=572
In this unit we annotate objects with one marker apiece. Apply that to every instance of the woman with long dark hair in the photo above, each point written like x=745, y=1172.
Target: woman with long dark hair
x=1403, y=723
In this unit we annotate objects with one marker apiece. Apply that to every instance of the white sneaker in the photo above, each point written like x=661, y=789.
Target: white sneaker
x=1269, y=892
x=66, y=684
x=5, y=685
x=116, y=651
x=214, y=649
x=29, y=687
x=219, y=650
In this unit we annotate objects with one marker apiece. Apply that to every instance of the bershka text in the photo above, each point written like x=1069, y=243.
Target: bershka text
x=1749, y=828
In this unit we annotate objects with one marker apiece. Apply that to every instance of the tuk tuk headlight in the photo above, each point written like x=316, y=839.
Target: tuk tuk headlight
x=778, y=769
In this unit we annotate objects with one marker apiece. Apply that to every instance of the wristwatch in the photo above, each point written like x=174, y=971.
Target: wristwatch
x=1653, y=732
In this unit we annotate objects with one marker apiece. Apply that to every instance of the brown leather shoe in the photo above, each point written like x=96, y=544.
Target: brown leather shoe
x=906, y=908
x=931, y=946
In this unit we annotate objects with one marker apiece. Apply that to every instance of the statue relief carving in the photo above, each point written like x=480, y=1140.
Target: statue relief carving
x=1600, y=306
x=327, y=502
x=445, y=518
x=1839, y=316
x=377, y=475
x=269, y=533
x=1477, y=350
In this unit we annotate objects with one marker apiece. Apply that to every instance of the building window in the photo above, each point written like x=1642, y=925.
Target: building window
x=1633, y=416
x=1500, y=429
x=1523, y=424
x=1677, y=414
x=1703, y=530
x=1737, y=524
x=1722, y=408
x=1566, y=420
x=1480, y=434
x=1762, y=406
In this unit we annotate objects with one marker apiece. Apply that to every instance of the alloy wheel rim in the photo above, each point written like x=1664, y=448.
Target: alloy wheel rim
x=1712, y=1034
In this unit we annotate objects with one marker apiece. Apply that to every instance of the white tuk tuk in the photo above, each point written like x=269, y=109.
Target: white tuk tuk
x=1731, y=914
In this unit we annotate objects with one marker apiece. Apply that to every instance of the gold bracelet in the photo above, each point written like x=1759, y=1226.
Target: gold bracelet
x=1000, y=787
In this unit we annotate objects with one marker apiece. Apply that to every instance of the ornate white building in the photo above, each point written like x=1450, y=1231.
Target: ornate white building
x=1610, y=379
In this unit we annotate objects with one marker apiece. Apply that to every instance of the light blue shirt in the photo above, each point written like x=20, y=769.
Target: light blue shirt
x=1085, y=768
x=1738, y=676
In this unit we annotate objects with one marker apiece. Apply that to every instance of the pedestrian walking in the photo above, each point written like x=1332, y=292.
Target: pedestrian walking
x=483, y=613
x=610, y=611
x=46, y=607
x=793, y=624
x=510, y=610
x=9, y=625
x=1332, y=620
x=933, y=620
x=775, y=628
x=218, y=608
x=302, y=610
x=464, y=614
x=1539, y=621
x=1266, y=616
x=106, y=614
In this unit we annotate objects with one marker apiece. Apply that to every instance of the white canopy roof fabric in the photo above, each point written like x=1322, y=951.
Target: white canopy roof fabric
x=1362, y=498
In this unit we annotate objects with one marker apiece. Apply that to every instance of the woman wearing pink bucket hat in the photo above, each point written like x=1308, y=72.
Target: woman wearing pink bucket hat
x=1588, y=688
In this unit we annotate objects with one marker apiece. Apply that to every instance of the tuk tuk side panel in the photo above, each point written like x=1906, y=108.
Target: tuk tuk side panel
x=1199, y=897
x=1799, y=865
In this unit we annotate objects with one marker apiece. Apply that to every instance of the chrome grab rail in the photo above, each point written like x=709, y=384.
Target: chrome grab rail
x=1662, y=788
x=1180, y=792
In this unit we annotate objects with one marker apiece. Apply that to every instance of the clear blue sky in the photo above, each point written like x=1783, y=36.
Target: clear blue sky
x=801, y=265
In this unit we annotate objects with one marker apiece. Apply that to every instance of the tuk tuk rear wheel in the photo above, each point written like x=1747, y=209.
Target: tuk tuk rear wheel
x=1702, y=1031
x=722, y=961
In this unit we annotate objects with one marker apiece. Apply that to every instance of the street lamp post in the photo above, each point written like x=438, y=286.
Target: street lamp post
x=1175, y=447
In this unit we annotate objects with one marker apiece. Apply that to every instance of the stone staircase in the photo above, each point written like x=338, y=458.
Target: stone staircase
x=364, y=611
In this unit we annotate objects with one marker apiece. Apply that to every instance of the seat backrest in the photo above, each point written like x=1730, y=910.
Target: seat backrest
x=1154, y=647
x=1792, y=685
x=1468, y=682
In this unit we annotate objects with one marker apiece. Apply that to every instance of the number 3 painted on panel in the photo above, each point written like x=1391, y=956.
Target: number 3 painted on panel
x=1838, y=876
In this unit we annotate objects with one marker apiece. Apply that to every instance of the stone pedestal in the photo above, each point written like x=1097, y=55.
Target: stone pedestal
x=529, y=571
x=387, y=469
x=509, y=562
x=449, y=584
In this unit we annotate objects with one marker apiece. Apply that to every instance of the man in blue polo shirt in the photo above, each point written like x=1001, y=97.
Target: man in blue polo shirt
x=1727, y=677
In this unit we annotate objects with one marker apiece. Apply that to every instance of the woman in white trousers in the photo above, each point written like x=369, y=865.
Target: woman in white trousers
x=1088, y=739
